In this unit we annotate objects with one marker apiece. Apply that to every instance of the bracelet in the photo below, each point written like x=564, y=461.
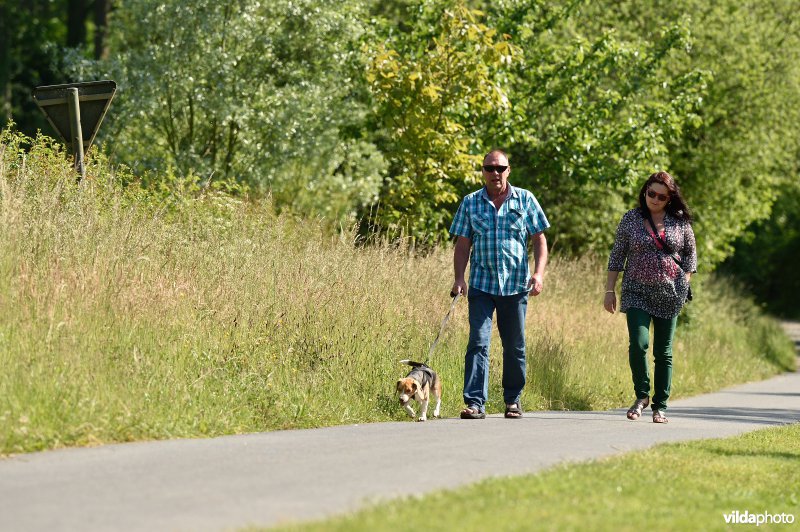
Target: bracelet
x=610, y=292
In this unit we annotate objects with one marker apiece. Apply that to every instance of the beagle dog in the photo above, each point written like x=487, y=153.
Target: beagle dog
x=420, y=382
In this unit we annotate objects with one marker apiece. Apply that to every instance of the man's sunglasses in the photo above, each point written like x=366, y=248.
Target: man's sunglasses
x=494, y=168
x=653, y=194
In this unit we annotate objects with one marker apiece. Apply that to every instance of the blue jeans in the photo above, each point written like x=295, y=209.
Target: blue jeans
x=511, y=325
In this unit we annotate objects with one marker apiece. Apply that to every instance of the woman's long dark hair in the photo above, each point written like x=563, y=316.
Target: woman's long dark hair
x=676, y=205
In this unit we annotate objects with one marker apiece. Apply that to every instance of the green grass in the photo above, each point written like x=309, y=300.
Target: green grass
x=184, y=311
x=682, y=486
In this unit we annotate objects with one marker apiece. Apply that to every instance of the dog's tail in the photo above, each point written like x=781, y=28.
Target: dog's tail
x=412, y=363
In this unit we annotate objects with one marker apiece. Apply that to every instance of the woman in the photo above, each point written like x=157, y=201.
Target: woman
x=655, y=247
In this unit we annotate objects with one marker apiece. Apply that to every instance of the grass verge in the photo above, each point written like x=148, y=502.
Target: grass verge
x=679, y=486
x=180, y=310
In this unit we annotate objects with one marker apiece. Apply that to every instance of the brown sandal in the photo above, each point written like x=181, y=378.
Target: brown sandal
x=472, y=412
x=659, y=417
x=635, y=411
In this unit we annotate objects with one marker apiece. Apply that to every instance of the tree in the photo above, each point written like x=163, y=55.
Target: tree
x=79, y=14
x=266, y=93
x=731, y=166
x=767, y=255
x=591, y=113
x=35, y=36
x=431, y=87
x=77, y=11
x=28, y=57
x=102, y=8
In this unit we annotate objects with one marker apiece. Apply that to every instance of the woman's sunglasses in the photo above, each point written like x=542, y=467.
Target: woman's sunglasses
x=653, y=195
x=495, y=168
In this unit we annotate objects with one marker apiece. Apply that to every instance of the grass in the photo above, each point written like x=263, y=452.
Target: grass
x=679, y=486
x=180, y=310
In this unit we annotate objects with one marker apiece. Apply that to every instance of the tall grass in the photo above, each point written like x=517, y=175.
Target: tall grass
x=178, y=311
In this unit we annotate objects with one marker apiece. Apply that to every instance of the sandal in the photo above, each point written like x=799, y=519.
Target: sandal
x=659, y=417
x=472, y=412
x=513, y=411
x=635, y=411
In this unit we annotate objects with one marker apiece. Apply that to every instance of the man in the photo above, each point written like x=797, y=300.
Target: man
x=492, y=226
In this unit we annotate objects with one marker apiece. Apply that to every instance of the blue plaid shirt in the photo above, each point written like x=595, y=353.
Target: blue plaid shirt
x=499, y=257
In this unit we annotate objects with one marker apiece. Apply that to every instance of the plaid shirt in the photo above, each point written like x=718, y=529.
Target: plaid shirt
x=499, y=256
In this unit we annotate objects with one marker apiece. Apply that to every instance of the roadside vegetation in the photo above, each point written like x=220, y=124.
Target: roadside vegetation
x=359, y=107
x=677, y=486
x=135, y=309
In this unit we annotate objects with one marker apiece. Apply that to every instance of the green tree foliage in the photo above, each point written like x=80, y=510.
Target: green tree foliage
x=29, y=33
x=732, y=165
x=432, y=85
x=357, y=106
x=592, y=112
x=580, y=116
x=268, y=93
x=35, y=38
x=767, y=256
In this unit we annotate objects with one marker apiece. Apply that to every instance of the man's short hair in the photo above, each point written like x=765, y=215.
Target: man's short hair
x=496, y=150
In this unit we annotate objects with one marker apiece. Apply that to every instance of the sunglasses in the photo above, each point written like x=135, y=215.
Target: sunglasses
x=653, y=195
x=494, y=168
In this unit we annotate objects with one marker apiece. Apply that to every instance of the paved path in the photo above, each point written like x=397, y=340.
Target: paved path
x=792, y=328
x=265, y=479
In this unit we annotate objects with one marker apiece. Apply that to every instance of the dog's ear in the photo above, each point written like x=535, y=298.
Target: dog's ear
x=397, y=386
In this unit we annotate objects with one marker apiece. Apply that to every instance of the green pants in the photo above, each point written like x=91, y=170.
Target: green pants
x=639, y=334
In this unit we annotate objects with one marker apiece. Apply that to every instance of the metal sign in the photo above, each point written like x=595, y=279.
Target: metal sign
x=75, y=110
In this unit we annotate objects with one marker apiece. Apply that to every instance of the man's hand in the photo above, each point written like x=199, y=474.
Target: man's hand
x=536, y=282
x=535, y=285
x=460, y=259
x=459, y=287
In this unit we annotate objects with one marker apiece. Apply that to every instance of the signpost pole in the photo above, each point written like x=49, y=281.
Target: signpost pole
x=75, y=130
x=75, y=110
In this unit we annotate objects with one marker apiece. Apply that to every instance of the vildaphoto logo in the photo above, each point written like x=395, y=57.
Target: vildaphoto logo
x=746, y=518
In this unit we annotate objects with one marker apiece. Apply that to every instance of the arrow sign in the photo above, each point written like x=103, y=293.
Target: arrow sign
x=94, y=98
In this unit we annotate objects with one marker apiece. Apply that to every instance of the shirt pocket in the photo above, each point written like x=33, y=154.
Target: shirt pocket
x=481, y=223
x=515, y=221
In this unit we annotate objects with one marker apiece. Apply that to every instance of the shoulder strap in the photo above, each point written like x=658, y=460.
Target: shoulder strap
x=667, y=249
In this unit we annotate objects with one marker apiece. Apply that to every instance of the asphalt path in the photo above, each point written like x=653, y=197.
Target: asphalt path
x=276, y=477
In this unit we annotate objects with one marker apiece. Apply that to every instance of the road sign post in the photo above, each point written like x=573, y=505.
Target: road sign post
x=75, y=111
x=73, y=101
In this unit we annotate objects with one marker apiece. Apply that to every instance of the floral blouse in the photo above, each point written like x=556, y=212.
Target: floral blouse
x=653, y=282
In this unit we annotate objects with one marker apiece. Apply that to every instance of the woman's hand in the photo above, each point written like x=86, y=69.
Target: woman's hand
x=610, y=299
x=610, y=302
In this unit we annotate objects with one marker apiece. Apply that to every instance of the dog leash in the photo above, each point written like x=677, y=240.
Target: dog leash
x=441, y=329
